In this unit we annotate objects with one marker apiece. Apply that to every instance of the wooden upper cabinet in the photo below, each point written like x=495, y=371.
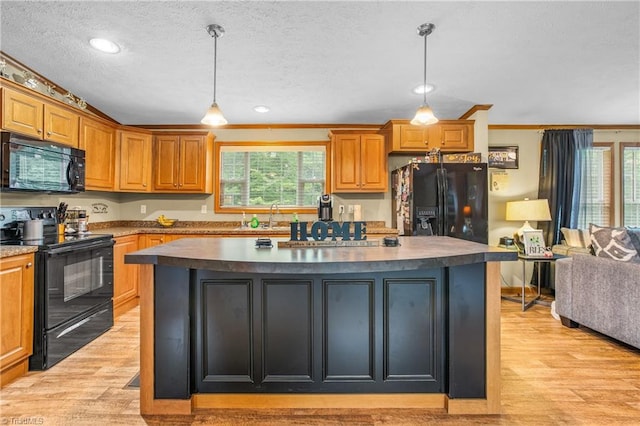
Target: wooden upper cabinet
x=22, y=113
x=98, y=140
x=134, y=165
x=182, y=163
x=61, y=125
x=16, y=315
x=30, y=116
x=359, y=162
x=447, y=135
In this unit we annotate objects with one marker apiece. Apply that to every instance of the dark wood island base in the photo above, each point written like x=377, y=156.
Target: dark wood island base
x=226, y=325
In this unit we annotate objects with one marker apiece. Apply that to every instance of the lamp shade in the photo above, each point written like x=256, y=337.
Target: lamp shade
x=535, y=210
x=214, y=116
x=424, y=116
x=527, y=210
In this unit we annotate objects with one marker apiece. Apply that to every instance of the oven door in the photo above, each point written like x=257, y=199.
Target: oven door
x=78, y=278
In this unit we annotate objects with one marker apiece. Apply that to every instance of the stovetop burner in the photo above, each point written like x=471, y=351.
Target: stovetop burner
x=54, y=240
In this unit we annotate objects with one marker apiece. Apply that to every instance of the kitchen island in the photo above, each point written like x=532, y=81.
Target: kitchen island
x=227, y=325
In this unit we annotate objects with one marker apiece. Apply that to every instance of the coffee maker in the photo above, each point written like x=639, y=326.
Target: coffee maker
x=325, y=208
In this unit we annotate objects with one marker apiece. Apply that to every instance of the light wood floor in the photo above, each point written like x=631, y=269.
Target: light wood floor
x=550, y=375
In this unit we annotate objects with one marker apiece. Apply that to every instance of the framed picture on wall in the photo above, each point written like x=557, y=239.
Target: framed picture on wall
x=503, y=157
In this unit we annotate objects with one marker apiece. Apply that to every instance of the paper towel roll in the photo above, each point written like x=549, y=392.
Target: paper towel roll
x=357, y=212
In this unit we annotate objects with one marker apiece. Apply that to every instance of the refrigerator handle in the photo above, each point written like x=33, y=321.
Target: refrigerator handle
x=445, y=206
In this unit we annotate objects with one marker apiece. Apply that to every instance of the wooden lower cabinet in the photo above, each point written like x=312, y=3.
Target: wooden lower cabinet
x=125, y=276
x=16, y=316
x=150, y=240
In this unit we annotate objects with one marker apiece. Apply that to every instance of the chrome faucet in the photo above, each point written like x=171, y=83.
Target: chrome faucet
x=271, y=213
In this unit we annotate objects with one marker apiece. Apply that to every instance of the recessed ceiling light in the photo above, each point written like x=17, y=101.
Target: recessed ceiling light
x=104, y=45
x=420, y=89
x=261, y=108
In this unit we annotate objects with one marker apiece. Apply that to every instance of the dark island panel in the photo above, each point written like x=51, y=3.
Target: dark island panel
x=287, y=340
x=349, y=341
x=337, y=333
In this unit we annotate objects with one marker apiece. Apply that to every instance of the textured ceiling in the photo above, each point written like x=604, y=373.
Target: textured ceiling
x=547, y=62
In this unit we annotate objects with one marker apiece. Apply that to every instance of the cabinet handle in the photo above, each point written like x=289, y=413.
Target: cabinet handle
x=443, y=142
x=29, y=265
x=175, y=184
x=144, y=185
x=39, y=130
x=48, y=133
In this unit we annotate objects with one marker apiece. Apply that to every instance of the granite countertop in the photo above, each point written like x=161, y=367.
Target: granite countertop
x=120, y=229
x=217, y=228
x=8, y=251
x=240, y=255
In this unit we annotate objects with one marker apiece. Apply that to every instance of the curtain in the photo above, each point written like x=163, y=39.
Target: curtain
x=562, y=158
x=586, y=183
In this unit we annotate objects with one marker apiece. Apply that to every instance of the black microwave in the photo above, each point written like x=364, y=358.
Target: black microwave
x=34, y=165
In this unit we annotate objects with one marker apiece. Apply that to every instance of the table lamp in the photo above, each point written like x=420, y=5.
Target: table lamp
x=534, y=210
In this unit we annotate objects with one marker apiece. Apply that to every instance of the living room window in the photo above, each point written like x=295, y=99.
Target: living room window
x=630, y=183
x=596, y=189
x=252, y=176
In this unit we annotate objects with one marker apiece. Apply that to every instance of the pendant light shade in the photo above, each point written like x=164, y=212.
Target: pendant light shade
x=424, y=115
x=214, y=116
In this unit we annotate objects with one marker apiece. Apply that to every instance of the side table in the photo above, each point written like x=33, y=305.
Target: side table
x=529, y=259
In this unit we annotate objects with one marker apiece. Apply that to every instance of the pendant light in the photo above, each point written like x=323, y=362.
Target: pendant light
x=424, y=115
x=214, y=116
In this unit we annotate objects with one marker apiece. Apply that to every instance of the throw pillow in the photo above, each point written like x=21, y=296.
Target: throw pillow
x=634, y=234
x=613, y=243
x=576, y=237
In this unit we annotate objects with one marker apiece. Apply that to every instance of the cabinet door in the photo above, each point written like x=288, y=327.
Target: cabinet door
x=61, y=125
x=125, y=276
x=455, y=137
x=99, y=142
x=151, y=240
x=414, y=138
x=346, y=162
x=191, y=173
x=135, y=162
x=165, y=161
x=21, y=113
x=16, y=312
x=373, y=160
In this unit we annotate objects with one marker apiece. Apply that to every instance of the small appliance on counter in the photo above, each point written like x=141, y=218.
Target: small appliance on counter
x=325, y=208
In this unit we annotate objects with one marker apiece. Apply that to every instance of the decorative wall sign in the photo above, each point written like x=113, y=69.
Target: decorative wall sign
x=503, y=157
x=534, y=243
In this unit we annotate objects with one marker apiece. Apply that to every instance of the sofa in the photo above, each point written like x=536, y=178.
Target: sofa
x=602, y=291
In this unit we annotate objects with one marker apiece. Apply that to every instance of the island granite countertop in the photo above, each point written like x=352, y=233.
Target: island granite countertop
x=241, y=255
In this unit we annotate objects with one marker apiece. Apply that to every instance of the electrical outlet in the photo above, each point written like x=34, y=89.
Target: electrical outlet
x=203, y=209
x=341, y=209
x=350, y=208
x=143, y=208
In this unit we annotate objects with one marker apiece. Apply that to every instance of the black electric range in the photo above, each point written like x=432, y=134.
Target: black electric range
x=73, y=284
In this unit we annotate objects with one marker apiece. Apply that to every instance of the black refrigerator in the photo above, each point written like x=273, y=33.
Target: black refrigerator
x=441, y=199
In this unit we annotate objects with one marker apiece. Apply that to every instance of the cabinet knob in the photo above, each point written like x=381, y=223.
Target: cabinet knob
x=39, y=130
x=29, y=265
x=144, y=185
x=48, y=133
x=175, y=184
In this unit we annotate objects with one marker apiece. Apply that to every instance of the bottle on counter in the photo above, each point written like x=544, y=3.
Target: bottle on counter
x=254, y=221
x=295, y=217
x=243, y=224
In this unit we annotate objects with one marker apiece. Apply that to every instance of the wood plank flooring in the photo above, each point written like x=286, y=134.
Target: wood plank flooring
x=551, y=375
